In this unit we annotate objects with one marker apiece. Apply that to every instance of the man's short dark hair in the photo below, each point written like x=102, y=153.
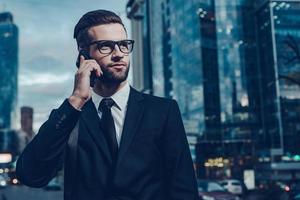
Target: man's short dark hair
x=90, y=19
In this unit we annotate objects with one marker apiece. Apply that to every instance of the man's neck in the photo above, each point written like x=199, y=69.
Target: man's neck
x=108, y=89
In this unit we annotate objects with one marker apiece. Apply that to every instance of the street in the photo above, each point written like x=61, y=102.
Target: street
x=26, y=193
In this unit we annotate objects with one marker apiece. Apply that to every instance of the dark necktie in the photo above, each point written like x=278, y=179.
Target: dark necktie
x=108, y=126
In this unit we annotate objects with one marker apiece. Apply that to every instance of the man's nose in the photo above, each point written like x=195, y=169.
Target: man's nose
x=117, y=52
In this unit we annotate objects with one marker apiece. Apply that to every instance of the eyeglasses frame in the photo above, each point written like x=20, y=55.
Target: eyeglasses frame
x=115, y=43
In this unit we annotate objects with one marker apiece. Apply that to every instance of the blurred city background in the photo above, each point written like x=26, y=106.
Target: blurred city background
x=233, y=67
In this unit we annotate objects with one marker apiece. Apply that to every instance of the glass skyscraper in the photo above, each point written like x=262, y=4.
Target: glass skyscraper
x=8, y=70
x=233, y=67
x=231, y=89
x=278, y=33
x=174, y=54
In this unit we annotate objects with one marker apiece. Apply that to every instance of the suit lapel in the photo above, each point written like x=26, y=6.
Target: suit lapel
x=132, y=120
x=91, y=120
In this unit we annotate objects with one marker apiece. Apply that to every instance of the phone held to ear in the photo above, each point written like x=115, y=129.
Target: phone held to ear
x=86, y=56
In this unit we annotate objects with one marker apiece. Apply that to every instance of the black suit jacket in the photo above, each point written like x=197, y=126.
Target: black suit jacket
x=154, y=161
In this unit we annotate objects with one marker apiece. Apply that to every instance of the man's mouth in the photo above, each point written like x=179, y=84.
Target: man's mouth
x=118, y=65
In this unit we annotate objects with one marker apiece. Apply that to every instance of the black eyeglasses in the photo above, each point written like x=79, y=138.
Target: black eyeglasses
x=108, y=46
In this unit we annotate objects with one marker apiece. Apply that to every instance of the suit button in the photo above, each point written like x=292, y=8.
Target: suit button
x=63, y=117
x=57, y=126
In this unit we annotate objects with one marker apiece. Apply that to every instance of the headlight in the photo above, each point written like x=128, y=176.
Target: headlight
x=3, y=183
x=15, y=181
x=205, y=197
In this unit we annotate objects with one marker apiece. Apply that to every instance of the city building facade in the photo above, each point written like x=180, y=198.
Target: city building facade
x=8, y=70
x=27, y=122
x=278, y=34
x=233, y=67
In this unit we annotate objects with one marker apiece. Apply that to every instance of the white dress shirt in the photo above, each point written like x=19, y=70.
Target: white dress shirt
x=118, y=110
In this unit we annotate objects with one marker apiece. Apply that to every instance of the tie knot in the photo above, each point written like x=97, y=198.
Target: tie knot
x=106, y=103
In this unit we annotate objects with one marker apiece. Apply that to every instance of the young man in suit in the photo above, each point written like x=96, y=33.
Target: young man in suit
x=129, y=145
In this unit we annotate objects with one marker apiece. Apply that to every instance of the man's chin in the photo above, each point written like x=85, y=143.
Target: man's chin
x=114, y=76
x=112, y=79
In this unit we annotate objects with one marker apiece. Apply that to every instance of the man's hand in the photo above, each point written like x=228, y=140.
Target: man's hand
x=82, y=91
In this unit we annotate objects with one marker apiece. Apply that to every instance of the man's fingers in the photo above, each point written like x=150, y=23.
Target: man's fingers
x=88, y=67
x=94, y=66
x=98, y=70
x=81, y=59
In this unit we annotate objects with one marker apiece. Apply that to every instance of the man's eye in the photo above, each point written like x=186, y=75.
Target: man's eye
x=124, y=45
x=104, y=47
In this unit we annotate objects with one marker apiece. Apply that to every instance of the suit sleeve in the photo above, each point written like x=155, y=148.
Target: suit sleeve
x=43, y=157
x=181, y=180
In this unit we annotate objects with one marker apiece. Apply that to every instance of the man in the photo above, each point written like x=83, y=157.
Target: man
x=130, y=146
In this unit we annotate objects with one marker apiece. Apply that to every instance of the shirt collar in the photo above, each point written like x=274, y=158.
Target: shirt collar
x=120, y=97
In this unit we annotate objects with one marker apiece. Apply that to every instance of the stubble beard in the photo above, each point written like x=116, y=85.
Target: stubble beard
x=111, y=77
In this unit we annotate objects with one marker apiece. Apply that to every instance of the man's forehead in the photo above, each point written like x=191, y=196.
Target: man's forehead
x=113, y=31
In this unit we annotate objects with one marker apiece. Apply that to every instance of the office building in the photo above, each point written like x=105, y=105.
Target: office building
x=233, y=67
x=8, y=70
x=278, y=33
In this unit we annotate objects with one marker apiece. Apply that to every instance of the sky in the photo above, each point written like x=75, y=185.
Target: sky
x=47, y=50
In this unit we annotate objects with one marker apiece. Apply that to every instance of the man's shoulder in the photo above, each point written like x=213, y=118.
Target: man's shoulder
x=157, y=101
x=154, y=98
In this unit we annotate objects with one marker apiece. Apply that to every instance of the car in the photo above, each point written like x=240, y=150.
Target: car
x=212, y=190
x=276, y=190
x=232, y=185
x=294, y=191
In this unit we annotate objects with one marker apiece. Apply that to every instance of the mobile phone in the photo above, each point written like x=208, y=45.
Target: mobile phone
x=86, y=56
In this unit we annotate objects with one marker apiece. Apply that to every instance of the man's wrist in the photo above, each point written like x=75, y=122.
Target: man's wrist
x=77, y=101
